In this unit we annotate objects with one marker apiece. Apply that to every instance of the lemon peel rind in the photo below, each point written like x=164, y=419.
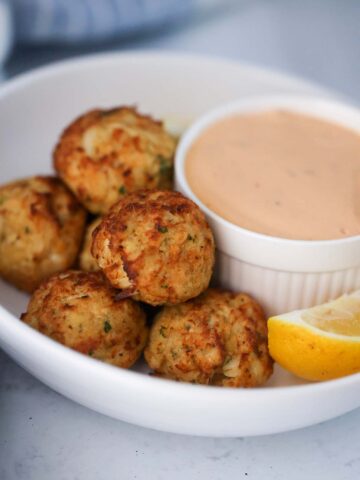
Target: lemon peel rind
x=309, y=355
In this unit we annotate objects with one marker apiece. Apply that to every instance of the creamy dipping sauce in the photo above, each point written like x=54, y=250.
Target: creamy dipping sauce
x=279, y=173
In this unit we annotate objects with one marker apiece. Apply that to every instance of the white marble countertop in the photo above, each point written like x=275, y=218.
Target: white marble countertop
x=44, y=436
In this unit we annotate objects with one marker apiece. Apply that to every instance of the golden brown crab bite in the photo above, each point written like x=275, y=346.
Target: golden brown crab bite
x=105, y=154
x=82, y=311
x=41, y=230
x=156, y=246
x=220, y=338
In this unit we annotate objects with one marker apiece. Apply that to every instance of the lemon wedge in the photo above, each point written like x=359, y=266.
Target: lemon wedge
x=319, y=343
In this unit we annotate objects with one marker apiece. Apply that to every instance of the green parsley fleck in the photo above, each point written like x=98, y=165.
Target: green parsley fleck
x=164, y=286
x=174, y=354
x=122, y=190
x=91, y=353
x=107, y=326
x=163, y=331
x=27, y=229
x=162, y=229
x=111, y=111
x=165, y=166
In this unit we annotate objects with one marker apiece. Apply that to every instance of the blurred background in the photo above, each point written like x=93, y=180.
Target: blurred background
x=316, y=39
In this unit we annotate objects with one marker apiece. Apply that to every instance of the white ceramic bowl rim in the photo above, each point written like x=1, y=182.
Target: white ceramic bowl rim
x=261, y=249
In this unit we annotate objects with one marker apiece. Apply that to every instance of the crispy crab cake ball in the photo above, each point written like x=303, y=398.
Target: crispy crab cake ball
x=155, y=246
x=105, y=154
x=220, y=338
x=86, y=261
x=41, y=230
x=82, y=311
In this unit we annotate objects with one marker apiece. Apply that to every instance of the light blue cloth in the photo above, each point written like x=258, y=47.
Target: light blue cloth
x=40, y=21
x=6, y=33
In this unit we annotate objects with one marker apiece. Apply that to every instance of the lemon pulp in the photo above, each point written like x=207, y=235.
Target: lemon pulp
x=341, y=316
x=319, y=343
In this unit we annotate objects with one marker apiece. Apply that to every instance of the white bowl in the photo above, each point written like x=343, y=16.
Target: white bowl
x=33, y=110
x=282, y=274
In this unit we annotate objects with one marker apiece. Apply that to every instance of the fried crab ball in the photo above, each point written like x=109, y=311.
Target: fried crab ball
x=86, y=261
x=41, y=230
x=104, y=154
x=220, y=338
x=155, y=246
x=82, y=311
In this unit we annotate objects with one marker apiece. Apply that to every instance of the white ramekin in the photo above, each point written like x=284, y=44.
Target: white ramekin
x=282, y=274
